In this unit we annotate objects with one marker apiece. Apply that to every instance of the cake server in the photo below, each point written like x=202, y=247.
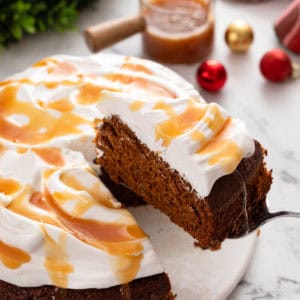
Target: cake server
x=264, y=217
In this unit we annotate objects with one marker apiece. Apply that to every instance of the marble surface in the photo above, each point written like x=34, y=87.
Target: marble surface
x=271, y=112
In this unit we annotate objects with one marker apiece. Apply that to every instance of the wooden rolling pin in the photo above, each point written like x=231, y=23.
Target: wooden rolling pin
x=106, y=34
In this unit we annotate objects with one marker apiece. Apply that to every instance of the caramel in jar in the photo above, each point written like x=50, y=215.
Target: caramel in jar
x=178, y=31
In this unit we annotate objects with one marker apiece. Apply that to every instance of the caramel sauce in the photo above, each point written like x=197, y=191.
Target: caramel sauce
x=136, y=68
x=126, y=267
x=30, y=134
x=52, y=156
x=9, y=186
x=145, y=86
x=12, y=257
x=178, y=31
x=198, y=136
x=57, y=261
x=213, y=117
x=48, y=84
x=21, y=206
x=62, y=68
x=93, y=232
x=2, y=148
x=44, y=62
x=214, y=120
x=178, y=124
x=136, y=105
x=89, y=94
x=226, y=152
x=120, y=238
x=97, y=195
x=62, y=105
x=36, y=199
x=167, y=108
x=21, y=150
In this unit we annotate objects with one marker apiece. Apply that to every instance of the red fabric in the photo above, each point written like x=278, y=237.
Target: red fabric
x=287, y=26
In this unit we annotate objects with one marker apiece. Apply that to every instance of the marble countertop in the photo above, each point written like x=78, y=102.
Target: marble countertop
x=271, y=112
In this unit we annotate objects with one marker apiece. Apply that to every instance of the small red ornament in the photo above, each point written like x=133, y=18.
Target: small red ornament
x=276, y=65
x=211, y=75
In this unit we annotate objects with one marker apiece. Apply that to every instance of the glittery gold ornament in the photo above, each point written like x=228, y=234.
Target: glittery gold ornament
x=239, y=36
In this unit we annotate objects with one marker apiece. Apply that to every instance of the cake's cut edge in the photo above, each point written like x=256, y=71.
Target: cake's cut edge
x=148, y=288
x=210, y=220
x=124, y=195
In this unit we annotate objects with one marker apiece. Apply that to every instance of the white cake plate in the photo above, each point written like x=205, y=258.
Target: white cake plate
x=195, y=274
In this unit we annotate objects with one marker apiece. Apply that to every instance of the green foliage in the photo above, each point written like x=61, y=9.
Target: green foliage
x=20, y=17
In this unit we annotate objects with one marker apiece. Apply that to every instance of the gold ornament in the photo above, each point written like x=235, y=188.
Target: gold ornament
x=239, y=36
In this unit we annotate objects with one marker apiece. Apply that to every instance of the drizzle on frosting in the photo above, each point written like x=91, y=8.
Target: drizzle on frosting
x=56, y=258
x=12, y=257
x=57, y=198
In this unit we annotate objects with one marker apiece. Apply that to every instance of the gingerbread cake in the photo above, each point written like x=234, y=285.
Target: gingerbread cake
x=62, y=233
x=188, y=158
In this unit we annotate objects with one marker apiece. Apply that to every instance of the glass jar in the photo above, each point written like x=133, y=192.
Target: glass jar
x=178, y=31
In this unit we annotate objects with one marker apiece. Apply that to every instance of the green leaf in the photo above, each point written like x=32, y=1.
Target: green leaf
x=21, y=17
x=27, y=24
x=16, y=31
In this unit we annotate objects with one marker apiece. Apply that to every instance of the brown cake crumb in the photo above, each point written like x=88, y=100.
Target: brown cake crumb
x=155, y=287
x=209, y=220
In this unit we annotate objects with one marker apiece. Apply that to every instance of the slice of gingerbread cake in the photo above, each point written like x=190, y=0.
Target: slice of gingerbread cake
x=189, y=159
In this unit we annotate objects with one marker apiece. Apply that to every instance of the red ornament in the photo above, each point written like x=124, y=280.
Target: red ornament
x=276, y=65
x=211, y=75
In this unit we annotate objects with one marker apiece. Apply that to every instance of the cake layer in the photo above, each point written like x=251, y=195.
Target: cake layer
x=155, y=287
x=199, y=140
x=209, y=219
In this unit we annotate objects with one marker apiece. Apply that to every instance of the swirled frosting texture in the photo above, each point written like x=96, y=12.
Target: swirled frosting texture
x=55, y=213
x=59, y=225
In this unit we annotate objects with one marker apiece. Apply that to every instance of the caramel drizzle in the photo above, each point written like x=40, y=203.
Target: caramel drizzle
x=91, y=94
x=57, y=261
x=120, y=239
x=12, y=257
x=2, y=148
x=21, y=206
x=36, y=199
x=95, y=193
x=144, y=86
x=44, y=62
x=62, y=105
x=136, y=68
x=177, y=124
x=52, y=156
x=39, y=119
x=136, y=105
x=224, y=151
x=62, y=68
x=9, y=186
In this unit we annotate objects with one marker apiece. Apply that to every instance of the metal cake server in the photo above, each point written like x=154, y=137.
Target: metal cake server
x=263, y=218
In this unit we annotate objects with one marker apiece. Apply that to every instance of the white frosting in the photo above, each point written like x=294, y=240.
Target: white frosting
x=54, y=104
x=181, y=154
x=39, y=89
x=91, y=265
